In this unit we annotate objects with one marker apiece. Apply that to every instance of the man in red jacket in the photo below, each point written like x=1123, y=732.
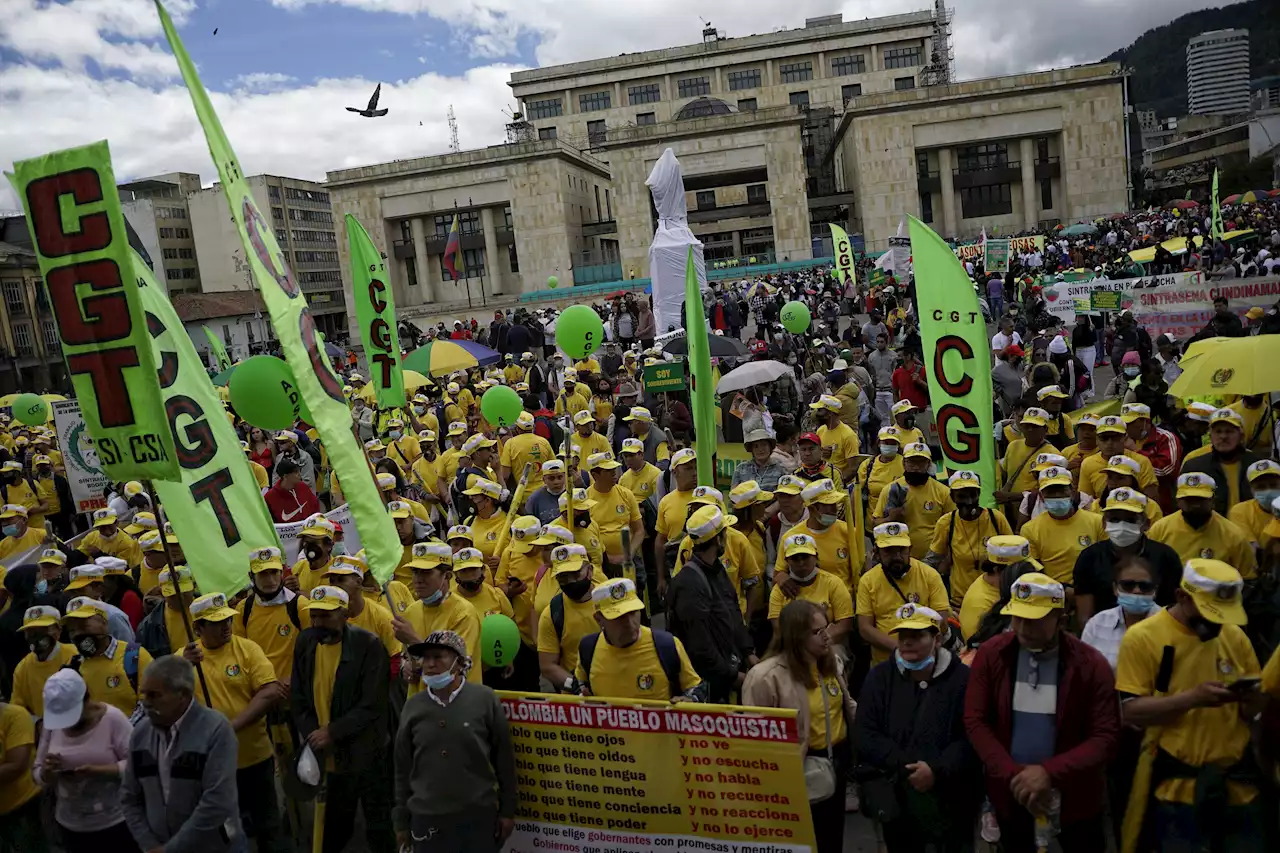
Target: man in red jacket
x=290, y=499
x=1042, y=714
x=1160, y=446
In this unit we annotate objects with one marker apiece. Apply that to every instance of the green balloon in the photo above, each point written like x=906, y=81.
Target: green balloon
x=579, y=331
x=795, y=317
x=30, y=409
x=501, y=406
x=264, y=393
x=499, y=640
x=553, y=282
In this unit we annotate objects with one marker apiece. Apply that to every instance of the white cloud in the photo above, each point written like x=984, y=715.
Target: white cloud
x=261, y=81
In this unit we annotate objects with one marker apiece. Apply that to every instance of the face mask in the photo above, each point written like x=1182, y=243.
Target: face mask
x=1123, y=533
x=44, y=475
x=805, y=578
x=1265, y=498
x=888, y=450
x=916, y=478
x=109, y=536
x=433, y=598
x=826, y=519
x=10, y=530
x=87, y=644
x=471, y=586
x=1197, y=518
x=908, y=422
x=909, y=666
x=968, y=511
x=1132, y=602
x=394, y=434
x=1131, y=372
x=1204, y=629
x=438, y=682
x=417, y=410
x=42, y=646
x=1058, y=507
x=42, y=587
x=576, y=589
x=582, y=519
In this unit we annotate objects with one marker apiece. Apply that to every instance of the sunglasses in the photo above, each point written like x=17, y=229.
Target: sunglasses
x=1146, y=587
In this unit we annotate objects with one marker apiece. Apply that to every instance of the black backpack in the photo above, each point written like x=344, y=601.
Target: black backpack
x=663, y=643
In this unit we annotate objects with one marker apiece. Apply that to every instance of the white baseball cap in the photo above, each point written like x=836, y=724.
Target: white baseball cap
x=63, y=699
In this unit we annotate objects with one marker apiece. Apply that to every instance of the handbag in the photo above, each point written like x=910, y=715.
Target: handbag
x=820, y=771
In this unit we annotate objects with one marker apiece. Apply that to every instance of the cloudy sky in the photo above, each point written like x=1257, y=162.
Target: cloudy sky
x=281, y=71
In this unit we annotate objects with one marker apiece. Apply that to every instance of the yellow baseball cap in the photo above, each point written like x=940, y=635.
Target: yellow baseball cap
x=902, y=406
x=1055, y=476
x=476, y=442
x=583, y=417
x=799, y=543
x=823, y=491
x=707, y=496
x=705, y=524
x=1035, y=417
x=101, y=517
x=1088, y=419
x=1129, y=500
x=525, y=530
x=1111, y=423
x=185, y=583
x=386, y=481
x=892, y=534
x=1262, y=468
x=554, y=534
x=616, y=598
x=567, y=558
x=640, y=413
x=828, y=402
x=603, y=461
x=1196, y=485
x=748, y=493
x=964, y=480
x=1123, y=465
x=581, y=502
x=265, y=558
x=40, y=616
x=1051, y=391
x=142, y=522
x=632, y=445
x=1227, y=416
x=682, y=456
x=53, y=557
x=1034, y=596
x=1007, y=549
x=430, y=555
x=211, y=608
x=916, y=449
x=347, y=564
x=468, y=558
x=483, y=486
x=457, y=428
x=916, y=617
x=889, y=433
x=329, y=598
x=399, y=509
x=459, y=531
x=82, y=576
x=111, y=566
x=84, y=607
x=1131, y=412
x=525, y=421
x=318, y=525
x=1217, y=590
x=789, y=484
x=374, y=444
x=1047, y=460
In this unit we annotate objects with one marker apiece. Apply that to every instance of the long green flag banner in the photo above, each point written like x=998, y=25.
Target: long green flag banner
x=1217, y=229
x=296, y=330
x=953, y=329
x=702, y=392
x=78, y=230
x=844, y=253
x=219, y=351
x=376, y=315
x=216, y=509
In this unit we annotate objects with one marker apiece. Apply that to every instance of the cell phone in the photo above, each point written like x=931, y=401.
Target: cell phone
x=1245, y=685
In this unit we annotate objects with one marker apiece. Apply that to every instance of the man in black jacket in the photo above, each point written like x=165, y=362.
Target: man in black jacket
x=1226, y=448
x=702, y=609
x=338, y=699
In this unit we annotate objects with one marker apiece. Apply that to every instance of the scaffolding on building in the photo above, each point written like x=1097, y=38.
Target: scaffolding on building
x=941, y=70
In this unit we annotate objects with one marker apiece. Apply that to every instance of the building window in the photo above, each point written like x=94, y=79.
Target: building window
x=472, y=264
x=706, y=200
x=979, y=158
x=646, y=118
x=13, y=296
x=848, y=93
x=1046, y=194
x=468, y=222
x=183, y=233
x=756, y=194
x=926, y=207
x=796, y=72
x=747, y=105
x=747, y=79
x=546, y=133
x=692, y=87
x=549, y=108
x=42, y=297
x=593, y=101
x=273, y=192
x=842, y=66
x=172, y=274
x=993, y=200
x=506, y=218
x=281, y=234
x=188, y=272
x=1042, y=151
x=799, y=99
x=187, y=254
x=902, y=57
x=411, y=272
x=277, y=213
x=599, y=209
x=169, y=254
x=901, y=84
x=595, y=131
x=166, y=233
x=50, y=331
x=513, y=258
x=608, y=207
x=22, y=338
x=647, y=94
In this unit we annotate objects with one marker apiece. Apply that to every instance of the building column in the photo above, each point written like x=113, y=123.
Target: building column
x=737, y=246
x=492, y=270
x=820, y=73
x=1030, y=202
x=420, y=262
x=949, y=221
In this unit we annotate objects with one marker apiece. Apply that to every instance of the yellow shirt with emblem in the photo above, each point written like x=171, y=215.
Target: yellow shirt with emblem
x=176, y=627
x=525, y=567
x=273, y=631
x=149, y=577
x=584, y=447
x=673, y=511
x=235, y=672
x=32, y=538
x=878, y=599
x=826, y=590
x=615, y=511
x=743, y=565
x=1201, y=736
x=453, y=613
x=548, y=586
x=571, y=404
x=401, y=597
x=487, y=531
x=1056, y=543
x=635, y=672
x=1094, y=480
x=1219, y=539
x=31, y=673
x=967, y=545
x=643, y=483
x=47, y=492
x=309, y=578
x=924, y=506
x=1016, y=465
x=487, y=601
x=826, y=690
x=1252, y=417
x=588, y=537
x=579, y=621
x=426, y=473
x=527, y=448
x=122, y=545
x=881, y=474
x=833, y=551
x=1250, y=517
x=449, y=464
x=376, y=619
x=978, y=600
x=22, y=494
x=405, y=451
x=105, y=677
x=17, y=730
x=843, y=442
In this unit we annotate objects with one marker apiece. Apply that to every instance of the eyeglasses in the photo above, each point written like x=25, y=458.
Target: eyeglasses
x=1146, y=587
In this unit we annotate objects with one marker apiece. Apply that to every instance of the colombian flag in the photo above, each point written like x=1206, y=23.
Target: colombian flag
x=453, y=250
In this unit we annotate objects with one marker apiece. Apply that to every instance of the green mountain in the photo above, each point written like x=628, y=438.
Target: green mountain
x=1158, y=58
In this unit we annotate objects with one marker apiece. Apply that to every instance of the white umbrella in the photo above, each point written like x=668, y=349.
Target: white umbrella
x=751, y=373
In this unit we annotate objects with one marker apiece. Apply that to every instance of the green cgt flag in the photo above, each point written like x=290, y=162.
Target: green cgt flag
x=320, y=387
x=219, y=351
x=844, y=253
x=376, y=315
x=216, y=508
x=702, y=391
x=78, y=231
x=952, y=329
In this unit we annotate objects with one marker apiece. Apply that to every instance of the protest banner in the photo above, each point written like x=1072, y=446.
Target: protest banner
x=844, y=253
x=78, y=233
x=1063, y=298
x=641, y=776
x=955, y=333
x=1107, y=300
x=376, y=314
x=1184, y=308
x=291, y=319
x=995, y=255
x=1026, y=245
x=341, y=516
x=215, y=506
x=969, y=252
x=79, y=457
x=668, y=376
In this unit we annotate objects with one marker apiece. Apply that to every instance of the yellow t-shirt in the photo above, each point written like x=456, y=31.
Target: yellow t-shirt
x=585, y=447
x=525, y=567
x=833, y=551
x=828, y=690
x=326, y=672
x=1252, y=417
x=601, y=409
x=843, y=442
x=1094, y=480
x=176, y=627
x=1250, y=517
x=743, y=564
x=1231, y=474
x=588, y=537
x=826, y=590
x=148, y=577
x=635, y=672
x=272, y=629
x=615, y=511
x=1057, y=543
x=487, y=531
x=571, y=404
x=488, y=601
x=453, y=613
x=978, y=600
x=877, y=598
x=309, y=578
x=405, y=451
x=1271, y=675
x=235, y=672
x=122, y=545
x=579, y=621
x=426, y=473
x=925, y=505
x=642, y=483
x=882, y=474
x=1219, y=539
x=259, y=474
x=548, y=586
x=34, y=536
x=47, y=492
x=968, y=545
x=105, y=677
x=1202, y=735
x=376, y=619
x=673, y=511
x=513, y=373
x=527, y=447
x=911, y=436
x=30, y=675
x=401, y=597
x=17, y=730
x=1018, y=458
x=449, y=464
x=21, y=493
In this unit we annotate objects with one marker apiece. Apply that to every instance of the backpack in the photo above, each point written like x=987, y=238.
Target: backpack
x=291, y=606
x=557, y=614
x=663, y=643
x=131, y=665
x=548, y=429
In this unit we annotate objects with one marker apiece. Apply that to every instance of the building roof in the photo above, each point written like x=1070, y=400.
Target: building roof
x=703, y=107
x=19, y=255
x=205, y=306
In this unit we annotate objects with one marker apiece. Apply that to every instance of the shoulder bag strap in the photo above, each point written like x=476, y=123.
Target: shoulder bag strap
x=826, y=710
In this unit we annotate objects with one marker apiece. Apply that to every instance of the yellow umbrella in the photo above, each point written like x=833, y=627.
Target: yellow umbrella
x=7, y=399
x=53, y=398
x=1229, y=366
x=413, y=380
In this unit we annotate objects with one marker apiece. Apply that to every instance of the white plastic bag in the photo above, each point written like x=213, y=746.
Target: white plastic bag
x=308, y=767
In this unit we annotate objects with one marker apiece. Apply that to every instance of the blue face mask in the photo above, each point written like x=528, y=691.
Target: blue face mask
x=1265, y=498
x=434, y=598
x=908, y=666
x=394, y=434
x=888, y=450
x=1058, y=507
x=436, y=682
x=42, y=587
x=1132, y=602
x=10, y=530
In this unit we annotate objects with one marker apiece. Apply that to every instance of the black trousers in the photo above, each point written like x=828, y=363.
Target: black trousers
x=256, y=787
x=113, y=839
x=461, y=832
x=1017, y=835
x=370, y=788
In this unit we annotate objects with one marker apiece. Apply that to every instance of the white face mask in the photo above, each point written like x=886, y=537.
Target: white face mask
x=1123, y=533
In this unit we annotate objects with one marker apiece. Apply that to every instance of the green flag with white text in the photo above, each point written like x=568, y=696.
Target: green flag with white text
x=296, y=329
x=217, y=509
x=376, y=316
x=219, y=351
x=78, y=231
x=954, y=335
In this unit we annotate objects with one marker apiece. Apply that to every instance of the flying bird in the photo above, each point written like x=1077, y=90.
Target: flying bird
x=372, y=110
x=215, y=31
